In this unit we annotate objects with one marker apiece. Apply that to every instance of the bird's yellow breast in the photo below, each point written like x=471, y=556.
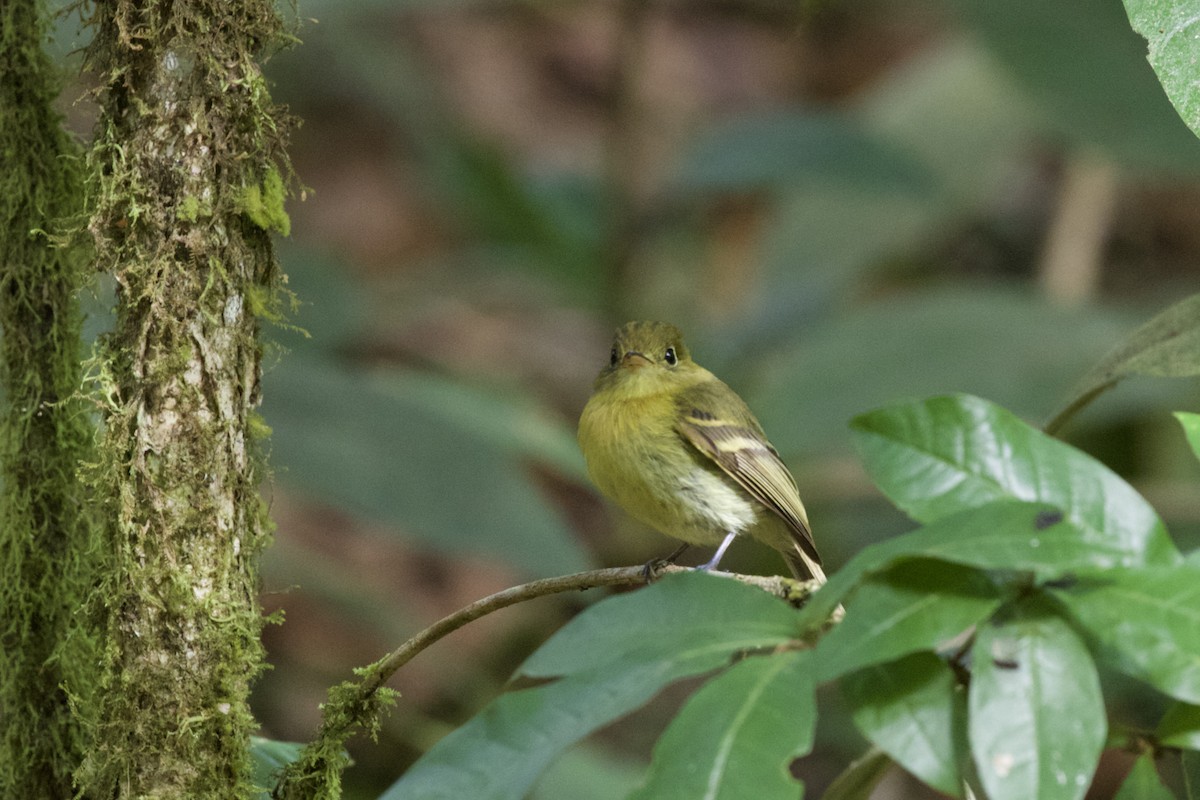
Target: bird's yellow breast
x=637, y=458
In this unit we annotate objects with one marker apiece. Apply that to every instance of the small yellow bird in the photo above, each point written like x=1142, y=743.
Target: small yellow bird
x=680, y=451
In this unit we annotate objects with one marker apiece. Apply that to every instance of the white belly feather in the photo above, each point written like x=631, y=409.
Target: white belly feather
x=719, y=506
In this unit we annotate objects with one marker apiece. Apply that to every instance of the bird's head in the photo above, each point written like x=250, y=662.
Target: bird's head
x=646, y=357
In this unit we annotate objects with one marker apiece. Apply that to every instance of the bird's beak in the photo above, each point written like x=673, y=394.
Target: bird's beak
x=635, y=360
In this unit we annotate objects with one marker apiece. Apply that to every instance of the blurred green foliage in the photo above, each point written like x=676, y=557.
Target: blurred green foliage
x=828, y=251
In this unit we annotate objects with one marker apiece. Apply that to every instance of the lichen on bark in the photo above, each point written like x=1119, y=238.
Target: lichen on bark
x=186, y=127
x=47, y=535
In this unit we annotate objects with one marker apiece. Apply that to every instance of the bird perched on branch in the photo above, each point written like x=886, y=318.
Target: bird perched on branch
x=680, y=451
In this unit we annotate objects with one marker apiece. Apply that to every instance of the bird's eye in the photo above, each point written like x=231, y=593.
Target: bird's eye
x=669, y=356
x=612, y=357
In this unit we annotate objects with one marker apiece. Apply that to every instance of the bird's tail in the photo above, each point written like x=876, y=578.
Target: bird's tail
x=804, y=567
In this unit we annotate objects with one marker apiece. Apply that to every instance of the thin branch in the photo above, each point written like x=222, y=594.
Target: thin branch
x=359, y=704
x=384, y=668
x=1052, y=427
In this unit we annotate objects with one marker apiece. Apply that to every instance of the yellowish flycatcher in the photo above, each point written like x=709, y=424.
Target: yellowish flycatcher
x=679, y=450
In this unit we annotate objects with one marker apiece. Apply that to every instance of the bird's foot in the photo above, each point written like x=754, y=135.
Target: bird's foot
x=712, y=563
x=654, y=566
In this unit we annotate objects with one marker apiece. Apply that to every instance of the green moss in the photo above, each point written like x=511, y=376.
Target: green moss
x=178, y=379
x=258, y=427
x=352, y=707
x=191, y=209
x=263, y=203
x=48, y=533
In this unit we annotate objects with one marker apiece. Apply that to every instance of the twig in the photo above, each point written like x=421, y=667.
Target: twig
x=358, y=704
x=1052, y=427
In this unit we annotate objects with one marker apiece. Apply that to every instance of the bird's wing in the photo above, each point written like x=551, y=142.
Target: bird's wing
x=740, y=449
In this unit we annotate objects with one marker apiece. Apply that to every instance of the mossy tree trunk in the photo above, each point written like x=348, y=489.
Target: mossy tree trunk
x=187, y=160
x=47, y=537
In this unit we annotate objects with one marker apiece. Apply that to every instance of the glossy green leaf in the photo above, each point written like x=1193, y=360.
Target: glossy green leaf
x=916, y=605
x=938, y=456
x=588, y=772
x=913, y=710
x=1146, y=623
x=1180, y=727
x=1167, y=346
x=1172, y=27
x=858, y=781
x=986, y=341
x=443, y=462
x=500, y=752
x=615, y=656
x=1037, y=722
x=679, y=616
x=1087, y=70
x=1001, y=535
x=741, y=730
x=1191, y=429
x=1143, y=783
x=270, y=757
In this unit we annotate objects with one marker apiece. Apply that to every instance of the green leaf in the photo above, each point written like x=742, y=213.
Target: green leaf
x=500, y=752
x=954, y=106
x=913, y=710
x=1172, y=27
x=508, y=421
x=755, y=151
x=1180, y=727
x=1168, y=346
x=742, y=729
x=615, y=656
x=982, y=340
x=1146, y=622
x=938, y=456
x=917, y=605
x=1037, y=722
x=445, y=462
x=270, y=757
x=1190, y=761
x=589, y=773
x=1087, y=70
x=859, y=780
x=1143, y=783
x=1191, y=429
x=1001, y=535
x=676, y=617
x=333, y=311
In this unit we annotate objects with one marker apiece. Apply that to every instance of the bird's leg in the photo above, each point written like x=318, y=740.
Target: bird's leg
x=652, y=566
x=716, y=559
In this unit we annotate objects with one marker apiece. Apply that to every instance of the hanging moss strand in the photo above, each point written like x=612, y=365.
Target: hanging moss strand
x=47, y=545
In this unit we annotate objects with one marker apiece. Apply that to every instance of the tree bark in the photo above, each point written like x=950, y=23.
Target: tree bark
x=189, y=163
